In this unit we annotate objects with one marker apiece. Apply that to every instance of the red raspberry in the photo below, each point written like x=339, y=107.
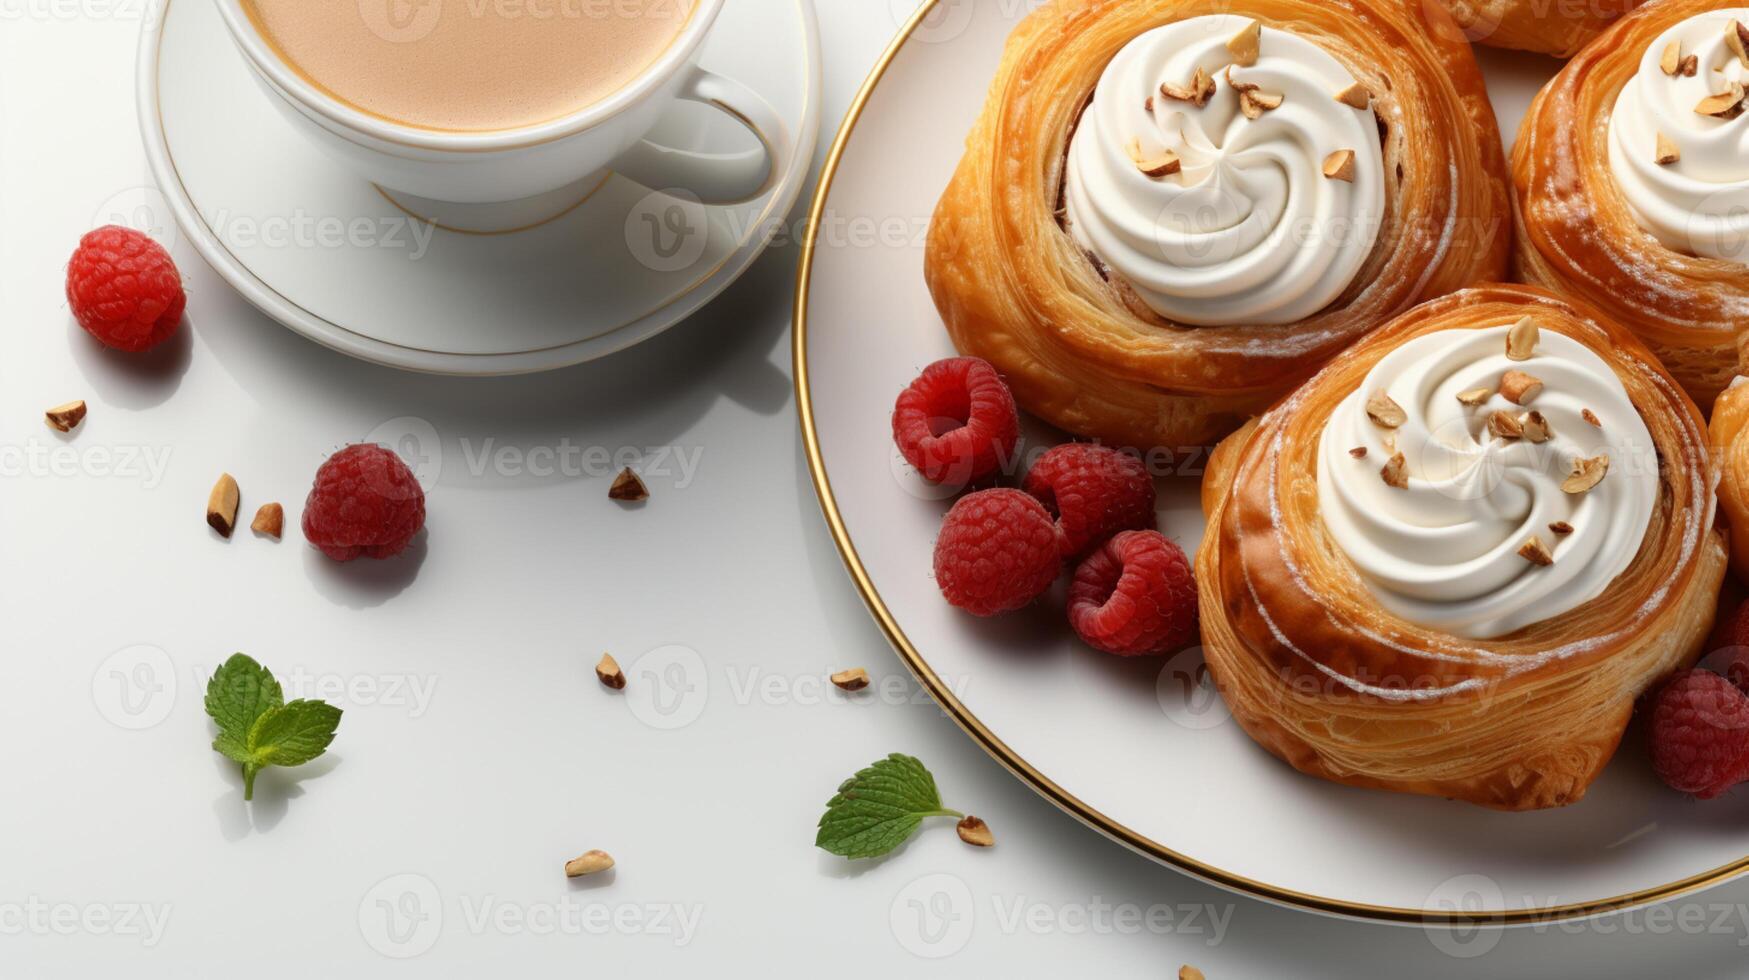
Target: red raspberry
x=957, y=422
x=1700, y=734
x=998, y=551
x=124, y=289
x=1134, y=595
x=365, y=502
x=1095, y=491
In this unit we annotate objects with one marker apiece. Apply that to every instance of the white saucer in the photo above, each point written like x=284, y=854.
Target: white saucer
x=331, y=257
x=1143, y=749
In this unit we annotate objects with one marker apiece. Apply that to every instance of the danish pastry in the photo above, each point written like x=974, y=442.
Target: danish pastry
x=1450, y=562
x=1172, y=211
x=1631, y=175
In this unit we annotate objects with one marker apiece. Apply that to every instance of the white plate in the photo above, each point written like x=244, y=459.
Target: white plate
x=329, y=256
x=1116, y=742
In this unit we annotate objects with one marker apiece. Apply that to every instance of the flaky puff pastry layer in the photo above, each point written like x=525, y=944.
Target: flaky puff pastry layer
x=1014, y=288
x=1576, y=234
x=1320, y=675
x=1730, y=439
x=1553, y=27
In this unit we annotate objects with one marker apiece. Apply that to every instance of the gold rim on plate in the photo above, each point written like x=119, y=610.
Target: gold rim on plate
x=1043, y=784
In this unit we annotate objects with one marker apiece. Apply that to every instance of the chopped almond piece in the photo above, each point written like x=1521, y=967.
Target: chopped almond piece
x=1561, y=527
x=1722, y=105
x=1535, y=426
x=64, y=418
x=1254, y=102
x=1590, y=416
x=1197, y=93
x=1737, y=39
x=1588, y=471
x=1385, y=412
x=1355, y=96
x=607, y=672
x=589, y=863
x=1340, y=165
x=1246, y=44
x=628, y=487
x=221, y=505
x=1358, y=452
x=1519, y=388
x=1188, y=972
x=1505, y=425
x=1474, y=396
x=269, y=520
x=1521, y=340
x=1202, y=87
x=854, y=679
x=1162, y=165
x=1671, y=59
x=1535, y=552
x=976, y=832
x=1668, y=153
x=1690, y=66
x=1396, y=472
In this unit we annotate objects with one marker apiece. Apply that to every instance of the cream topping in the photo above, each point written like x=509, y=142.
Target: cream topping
x=1250, y=229
x=1448, y=550
x=1699, y=202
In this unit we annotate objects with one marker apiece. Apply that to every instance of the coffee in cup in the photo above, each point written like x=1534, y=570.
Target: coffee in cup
x=469, y=65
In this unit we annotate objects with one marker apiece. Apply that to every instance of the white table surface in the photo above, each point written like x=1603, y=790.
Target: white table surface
x=477, y=752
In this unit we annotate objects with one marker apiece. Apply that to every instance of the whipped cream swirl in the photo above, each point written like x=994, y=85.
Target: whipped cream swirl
x=1444, y=551
x=1250, y=231
x=1699, y=203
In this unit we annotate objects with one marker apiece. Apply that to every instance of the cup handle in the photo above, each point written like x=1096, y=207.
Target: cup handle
x=717, y=178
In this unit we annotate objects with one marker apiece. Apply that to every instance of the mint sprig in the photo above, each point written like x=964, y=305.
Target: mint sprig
x=879, y=808
x=257, y=728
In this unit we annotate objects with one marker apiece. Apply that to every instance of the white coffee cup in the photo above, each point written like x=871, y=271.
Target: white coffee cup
x=491, y=181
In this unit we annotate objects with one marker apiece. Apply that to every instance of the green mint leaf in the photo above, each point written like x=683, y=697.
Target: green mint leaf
x=293, y=734
x=879, y=808
x=240, y=692
x=233, y=748
x=257, y=728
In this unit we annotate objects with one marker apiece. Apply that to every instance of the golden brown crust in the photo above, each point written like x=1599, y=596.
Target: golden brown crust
x=1729, y=431
x=1319, y=674
x=1576, y=235
x=1016, y=289
x=1553, y=27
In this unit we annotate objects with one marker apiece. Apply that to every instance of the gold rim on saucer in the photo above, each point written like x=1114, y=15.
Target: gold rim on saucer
x=352, y=342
